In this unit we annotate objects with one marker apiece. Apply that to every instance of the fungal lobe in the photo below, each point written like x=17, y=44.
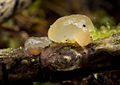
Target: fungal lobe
x=71, y=29
x=34, y=45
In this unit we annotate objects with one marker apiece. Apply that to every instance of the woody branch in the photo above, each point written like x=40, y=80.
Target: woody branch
x=58, y=61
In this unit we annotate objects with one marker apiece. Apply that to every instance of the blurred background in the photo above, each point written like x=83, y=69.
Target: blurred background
x=36, y=20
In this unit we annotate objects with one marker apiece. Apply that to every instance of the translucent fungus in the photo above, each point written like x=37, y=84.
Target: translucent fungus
x=34, y=45
x=71, y=29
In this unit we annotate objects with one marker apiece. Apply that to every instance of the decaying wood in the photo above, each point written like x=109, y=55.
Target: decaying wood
x=60, y=61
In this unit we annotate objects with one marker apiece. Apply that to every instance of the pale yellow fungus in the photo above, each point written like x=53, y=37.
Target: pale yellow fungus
x=71, y=29
x=34, y=45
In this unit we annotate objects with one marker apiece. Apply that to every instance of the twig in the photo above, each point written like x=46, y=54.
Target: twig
x=60, y=61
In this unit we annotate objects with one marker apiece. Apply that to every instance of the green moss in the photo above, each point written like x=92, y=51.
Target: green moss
x=104, y=24
x=104, y=31
x=96, y=75
x=117, y=41
x=20, y=48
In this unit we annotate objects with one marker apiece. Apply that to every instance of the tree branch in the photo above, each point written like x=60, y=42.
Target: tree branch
x=58, y=61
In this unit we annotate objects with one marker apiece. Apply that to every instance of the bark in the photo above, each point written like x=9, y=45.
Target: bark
x=60, y=61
